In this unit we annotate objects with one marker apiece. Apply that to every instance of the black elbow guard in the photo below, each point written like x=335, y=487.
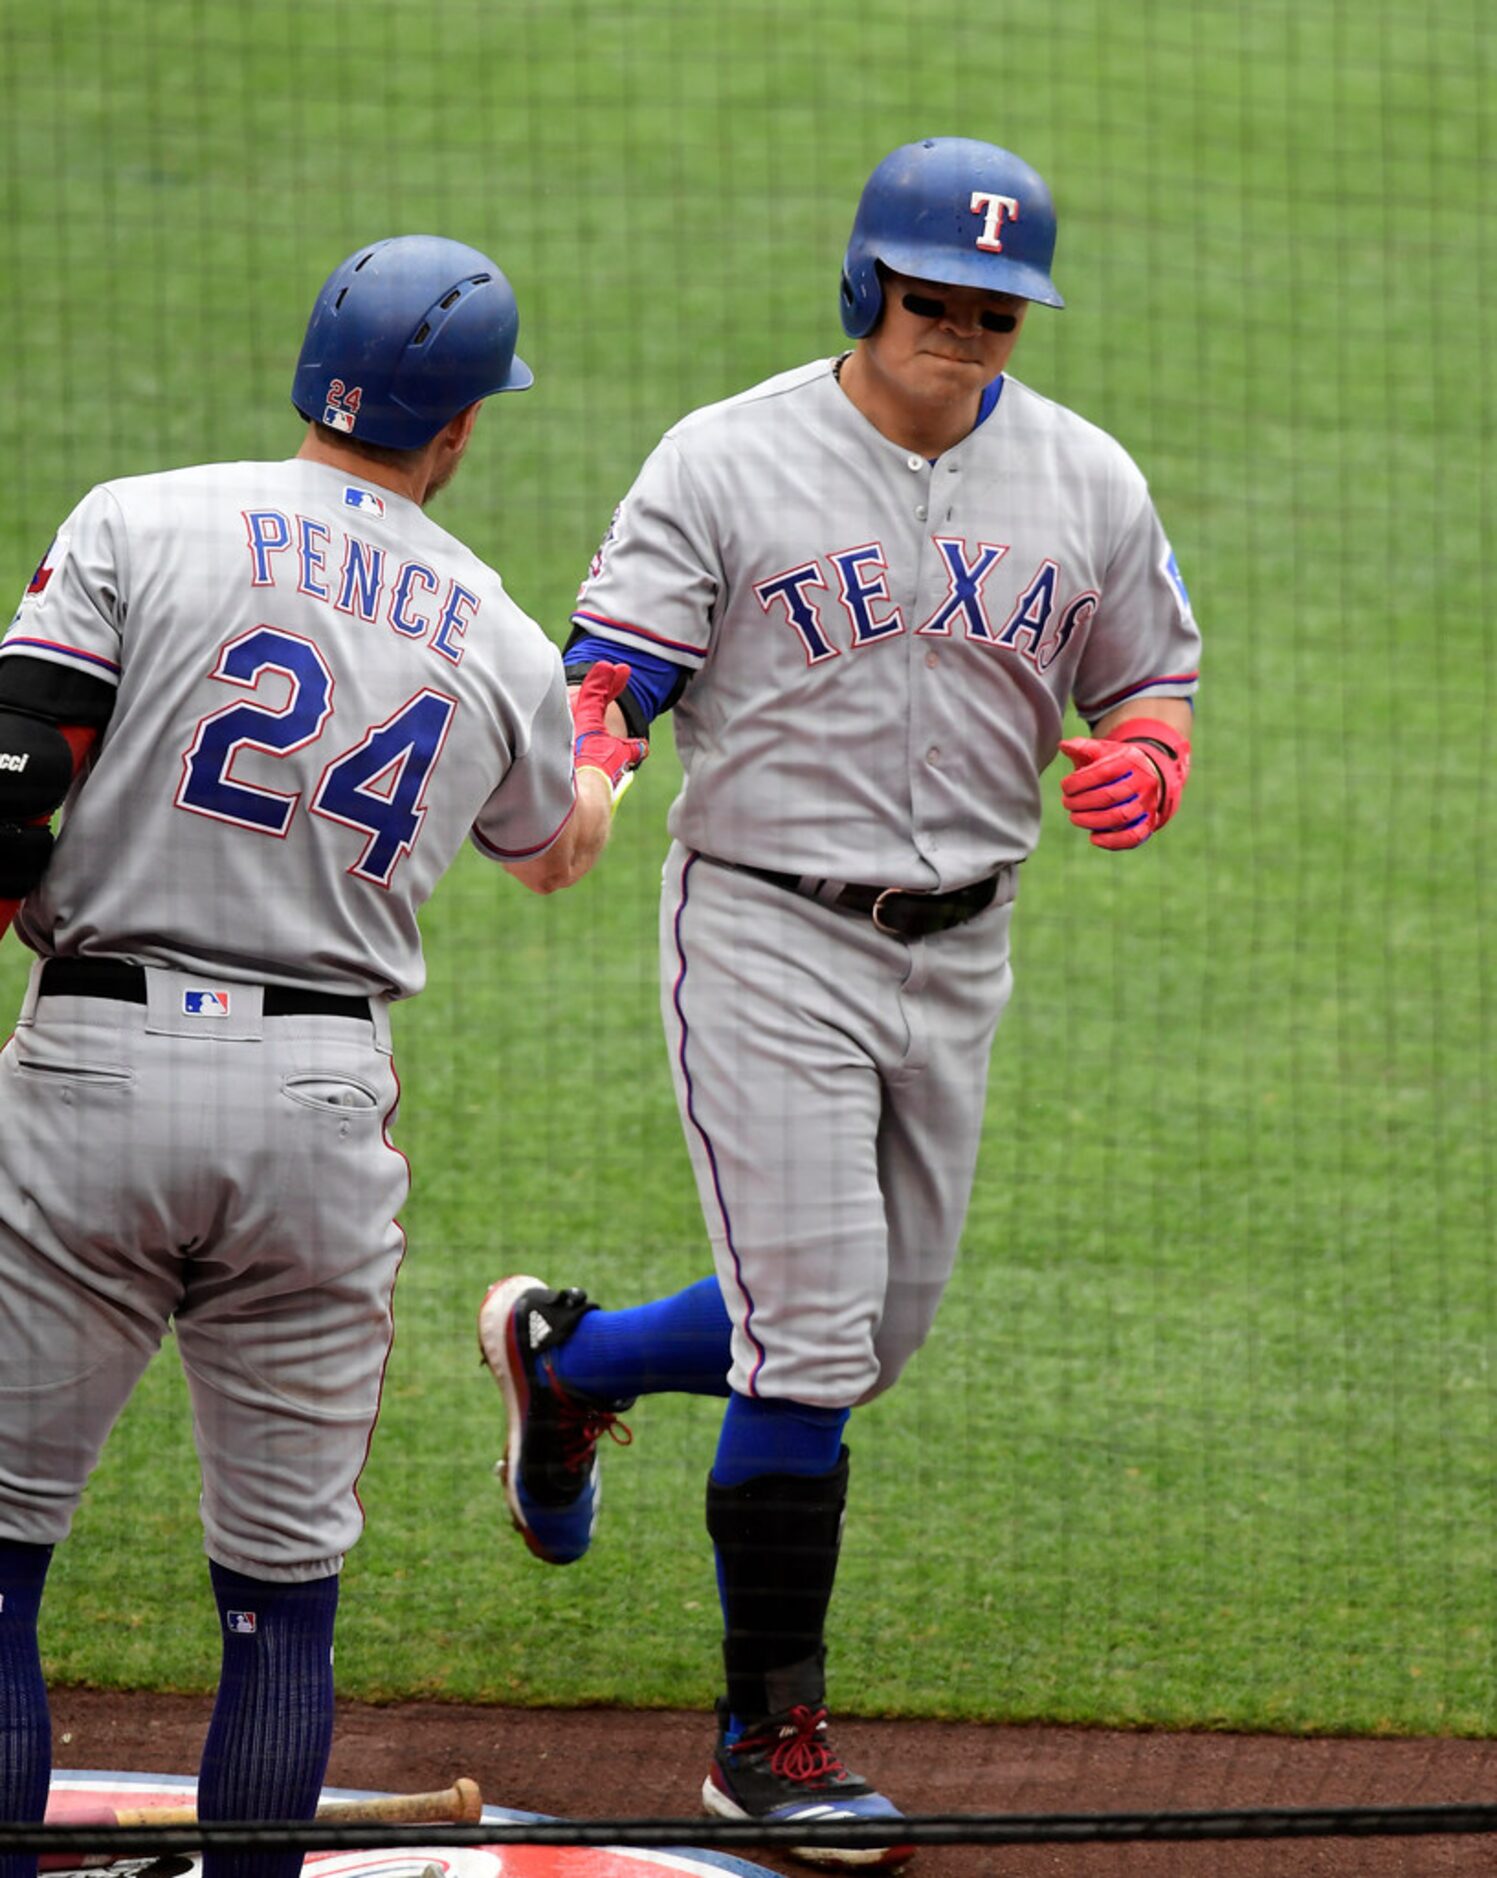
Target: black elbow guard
x=36, y=766
x=36, y=769
x=25, y=850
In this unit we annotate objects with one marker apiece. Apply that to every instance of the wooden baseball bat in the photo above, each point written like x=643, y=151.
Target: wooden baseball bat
x=460, y=1804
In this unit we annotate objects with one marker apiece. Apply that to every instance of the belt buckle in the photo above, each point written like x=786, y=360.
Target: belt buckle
x=877, y=909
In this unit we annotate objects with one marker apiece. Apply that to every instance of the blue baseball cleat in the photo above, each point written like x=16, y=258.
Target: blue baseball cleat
x=550, y=1464
x=785, y=1768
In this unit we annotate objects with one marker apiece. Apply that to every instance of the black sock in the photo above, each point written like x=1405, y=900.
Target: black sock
x=777, y=1538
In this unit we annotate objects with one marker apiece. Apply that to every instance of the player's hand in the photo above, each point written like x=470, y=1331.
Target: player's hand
x=595, y=746
x=1122, y=788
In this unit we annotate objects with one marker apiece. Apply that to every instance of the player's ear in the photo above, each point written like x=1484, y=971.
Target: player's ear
x=452, y=438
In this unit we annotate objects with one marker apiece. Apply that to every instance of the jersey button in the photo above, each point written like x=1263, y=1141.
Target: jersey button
x=933, y=755
x=921, y=512
x=932, y=658
x=914, y=462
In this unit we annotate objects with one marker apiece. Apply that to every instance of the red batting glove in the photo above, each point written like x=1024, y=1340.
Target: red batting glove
x=1126, y=785
x=596, y=747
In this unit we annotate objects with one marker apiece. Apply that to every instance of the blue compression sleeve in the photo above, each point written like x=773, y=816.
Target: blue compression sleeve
x=652, y=681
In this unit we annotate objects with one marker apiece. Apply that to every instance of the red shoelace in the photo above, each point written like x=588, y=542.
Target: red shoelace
x=581, y=1425
x=803, y=1755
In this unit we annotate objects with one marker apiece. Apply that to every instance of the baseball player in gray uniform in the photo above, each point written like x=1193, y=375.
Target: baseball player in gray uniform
x=869, y=588
x=277, y=698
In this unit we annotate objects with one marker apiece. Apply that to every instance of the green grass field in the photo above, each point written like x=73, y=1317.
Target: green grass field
x=1205, y=1434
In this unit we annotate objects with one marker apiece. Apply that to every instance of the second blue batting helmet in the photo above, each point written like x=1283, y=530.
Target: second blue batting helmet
x=404, y=335
x=953, y=210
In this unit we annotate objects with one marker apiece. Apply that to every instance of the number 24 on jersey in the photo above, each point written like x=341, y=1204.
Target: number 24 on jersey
x=376, y=787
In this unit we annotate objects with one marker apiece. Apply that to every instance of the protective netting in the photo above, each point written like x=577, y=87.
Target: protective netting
x=1204, y=1433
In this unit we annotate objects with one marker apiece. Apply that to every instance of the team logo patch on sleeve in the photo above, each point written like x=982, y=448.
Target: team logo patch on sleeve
x=46, y=567
x=364, y=499
x=205, y=1003
x=1177, y=580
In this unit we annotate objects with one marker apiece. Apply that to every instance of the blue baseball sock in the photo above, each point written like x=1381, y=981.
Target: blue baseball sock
x=772, y=1436
x=25, y=1721
x=680, y=1343
x=272, y=1728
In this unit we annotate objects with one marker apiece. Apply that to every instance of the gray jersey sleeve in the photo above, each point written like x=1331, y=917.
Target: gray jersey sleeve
x=519, y=819
x=1143, y=642
x=73, y=612
x=656, y=581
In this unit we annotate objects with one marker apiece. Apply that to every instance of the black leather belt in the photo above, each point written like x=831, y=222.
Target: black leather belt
x=126, y=984
x=902, y=912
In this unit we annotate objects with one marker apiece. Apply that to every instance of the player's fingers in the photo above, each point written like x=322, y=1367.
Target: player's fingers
x=1078, y=793
x=1106, y=769
x=1081, y=749
x=615, y=677
x=1134, y=836
x=1116, y=815
x=593, y=696
x=599, y=688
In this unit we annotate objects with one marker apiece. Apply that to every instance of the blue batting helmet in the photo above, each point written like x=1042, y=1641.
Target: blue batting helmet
x=953, y=210
x=404, y=335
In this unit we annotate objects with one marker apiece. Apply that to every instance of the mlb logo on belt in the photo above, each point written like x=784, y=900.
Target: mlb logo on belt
x=242, y=1623
x=205, y=1003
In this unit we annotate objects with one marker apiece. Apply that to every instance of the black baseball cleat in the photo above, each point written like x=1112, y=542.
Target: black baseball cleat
x=785, y=1768
x=550, y=1464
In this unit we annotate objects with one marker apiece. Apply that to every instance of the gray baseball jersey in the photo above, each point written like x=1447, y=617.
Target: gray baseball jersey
x=320, y=694
x=882, y=649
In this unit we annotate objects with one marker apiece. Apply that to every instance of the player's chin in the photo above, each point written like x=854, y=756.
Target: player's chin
x=948, y=376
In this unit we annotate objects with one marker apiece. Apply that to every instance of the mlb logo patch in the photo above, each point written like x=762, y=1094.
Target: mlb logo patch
x=364, y=499
x=242, y=1623
x=205, y=1003
x=337, y=419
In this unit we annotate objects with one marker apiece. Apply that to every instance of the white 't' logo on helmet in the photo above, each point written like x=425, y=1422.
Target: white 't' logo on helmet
x=995, y=211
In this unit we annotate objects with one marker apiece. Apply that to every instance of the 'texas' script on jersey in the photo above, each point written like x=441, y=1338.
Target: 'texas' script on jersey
x=1034, y=626
x=916, y=629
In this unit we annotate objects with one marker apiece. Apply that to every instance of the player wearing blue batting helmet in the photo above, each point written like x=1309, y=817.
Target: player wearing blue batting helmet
x=405, y=334
x=954, y=210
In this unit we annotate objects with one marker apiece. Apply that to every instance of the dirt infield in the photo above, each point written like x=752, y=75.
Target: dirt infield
x=597, y=1763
